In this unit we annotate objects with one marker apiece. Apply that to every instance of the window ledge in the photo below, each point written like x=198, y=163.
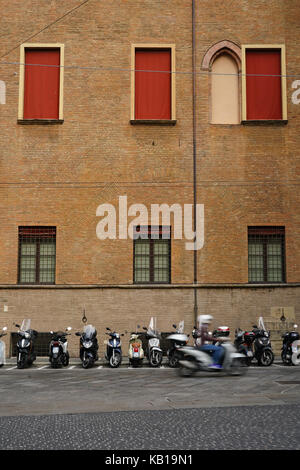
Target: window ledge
x=265, y=122
x=155, y=122
x=40, y=121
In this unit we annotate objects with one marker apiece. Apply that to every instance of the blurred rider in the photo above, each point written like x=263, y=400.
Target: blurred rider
x=203, y=337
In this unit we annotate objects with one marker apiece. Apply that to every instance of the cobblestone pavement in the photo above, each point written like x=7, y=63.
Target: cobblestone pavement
x=227, y=428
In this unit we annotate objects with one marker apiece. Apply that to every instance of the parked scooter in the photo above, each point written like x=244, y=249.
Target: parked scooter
x=195, y=360
x=25, y=344
x=256, y=342
x=58, y=348
x=290, y=353
x=2, y=347
x=244, y=344
x=154, y=351
x=88, y=346
x=177, y=340
x=113, y=348
x=135, y=352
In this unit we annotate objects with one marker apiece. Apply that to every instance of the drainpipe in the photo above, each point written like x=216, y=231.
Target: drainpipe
x=194, y=157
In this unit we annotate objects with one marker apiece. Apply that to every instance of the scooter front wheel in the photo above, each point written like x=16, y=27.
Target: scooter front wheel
x=155, y=359
x=65, y=360
x=266, y=358
x=115, y=360
x=21, y=363
x=86, y=363
x=173, y=361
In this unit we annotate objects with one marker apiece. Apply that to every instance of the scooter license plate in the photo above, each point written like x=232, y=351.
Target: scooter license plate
x=135, y=354
x=55, y=350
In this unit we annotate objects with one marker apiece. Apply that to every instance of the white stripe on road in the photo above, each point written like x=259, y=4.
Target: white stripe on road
x=43, y=367
x=72, y=367
x=12, y=368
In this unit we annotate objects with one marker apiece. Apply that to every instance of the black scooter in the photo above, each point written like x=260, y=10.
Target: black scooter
x=255, y=344
x=58, y=348
x=290, y=353
x=25, y=347
x=113, y=349
x=88, y=346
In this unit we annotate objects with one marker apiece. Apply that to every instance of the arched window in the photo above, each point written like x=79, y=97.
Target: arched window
x=223, y=62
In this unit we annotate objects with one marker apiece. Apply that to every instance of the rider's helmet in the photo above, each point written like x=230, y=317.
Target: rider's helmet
x=205, y=319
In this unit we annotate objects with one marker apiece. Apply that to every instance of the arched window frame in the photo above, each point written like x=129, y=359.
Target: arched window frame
x=235, y=51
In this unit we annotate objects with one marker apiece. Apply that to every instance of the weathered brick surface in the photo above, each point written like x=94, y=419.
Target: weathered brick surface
x=59, y=174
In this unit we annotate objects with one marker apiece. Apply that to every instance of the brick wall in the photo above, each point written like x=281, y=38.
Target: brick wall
x=59, y=174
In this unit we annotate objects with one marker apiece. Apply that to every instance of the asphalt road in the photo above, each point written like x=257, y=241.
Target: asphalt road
x=73, y=408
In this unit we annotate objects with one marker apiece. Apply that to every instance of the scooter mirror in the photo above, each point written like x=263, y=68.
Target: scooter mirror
x=77, y=333
x=295, y=326
x=69, y=328
x=144, y=328
x=51, y=332
x=4, y=329
x=16, y=324
x=174, y=326
x=108, y=329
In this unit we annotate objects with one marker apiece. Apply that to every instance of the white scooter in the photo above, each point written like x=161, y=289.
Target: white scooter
x=195, y=360
x=2, y=347
x=135, y=352
x=154, y=351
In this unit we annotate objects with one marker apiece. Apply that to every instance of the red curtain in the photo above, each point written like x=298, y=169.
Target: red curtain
x=263, y=93
x=41, y=88
x=153, y=89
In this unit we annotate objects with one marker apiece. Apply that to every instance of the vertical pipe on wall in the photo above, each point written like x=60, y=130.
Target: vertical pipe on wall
x=195, y=281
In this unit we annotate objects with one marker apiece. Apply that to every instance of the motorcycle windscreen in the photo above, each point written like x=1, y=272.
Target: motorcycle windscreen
x=261, y=324
x=25, y=324
x=181, y=327
x=89, y=331
x=2, y=352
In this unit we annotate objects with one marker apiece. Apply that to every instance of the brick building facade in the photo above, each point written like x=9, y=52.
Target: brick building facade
x=56, y=171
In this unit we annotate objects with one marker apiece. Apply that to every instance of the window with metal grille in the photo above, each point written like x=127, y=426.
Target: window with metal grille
x=152, y=255
x=41, y=344
x=37, y=251
x=266, y=254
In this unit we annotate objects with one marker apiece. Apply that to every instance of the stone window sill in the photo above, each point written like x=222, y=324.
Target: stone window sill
x=154, y=122
x=265, y=122
x=40, y=121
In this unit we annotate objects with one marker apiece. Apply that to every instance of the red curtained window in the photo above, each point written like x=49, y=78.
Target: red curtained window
x=263, y=93
x=153, y=89
x=41, y=87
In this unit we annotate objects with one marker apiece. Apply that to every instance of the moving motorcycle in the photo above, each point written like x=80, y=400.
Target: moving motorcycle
x=177, y=340
x=154, y=351
x=135, y=352
x=58, y=348
x=113, y=349
x=2, y=347
x=194, y=360
x=290, y=353
x=25, y=344
x=88, y=346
